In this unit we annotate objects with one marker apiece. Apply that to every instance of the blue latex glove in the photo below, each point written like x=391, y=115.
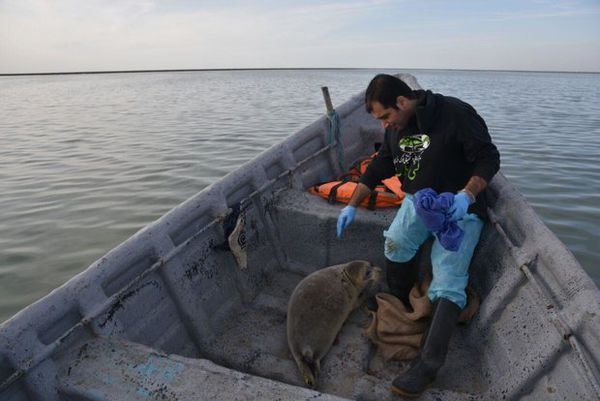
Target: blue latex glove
x=460, y=205
x=345, y=219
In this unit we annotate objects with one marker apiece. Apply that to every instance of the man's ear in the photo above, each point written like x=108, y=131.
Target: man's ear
x=402, y=103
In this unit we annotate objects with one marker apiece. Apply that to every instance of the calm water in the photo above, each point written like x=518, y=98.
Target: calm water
x=87, y=160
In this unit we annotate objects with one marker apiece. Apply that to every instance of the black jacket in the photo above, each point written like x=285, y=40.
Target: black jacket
x=444, y=144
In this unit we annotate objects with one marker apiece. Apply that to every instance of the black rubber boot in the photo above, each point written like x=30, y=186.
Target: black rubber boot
x=434, y=347
x=401, y=277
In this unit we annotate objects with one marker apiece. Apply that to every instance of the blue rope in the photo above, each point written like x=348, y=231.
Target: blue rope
x=335, y=135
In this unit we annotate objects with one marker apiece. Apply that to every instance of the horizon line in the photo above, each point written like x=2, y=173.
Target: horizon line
x=280, y=69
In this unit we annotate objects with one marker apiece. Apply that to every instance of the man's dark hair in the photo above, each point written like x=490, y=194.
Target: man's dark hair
x=385, y=89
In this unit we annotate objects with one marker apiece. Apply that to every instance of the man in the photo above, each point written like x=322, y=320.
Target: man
x=438, y=142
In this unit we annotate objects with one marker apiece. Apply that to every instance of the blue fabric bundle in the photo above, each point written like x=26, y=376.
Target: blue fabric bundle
x=434, y=211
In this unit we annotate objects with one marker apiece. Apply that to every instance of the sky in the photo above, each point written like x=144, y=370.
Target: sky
x=109, y=35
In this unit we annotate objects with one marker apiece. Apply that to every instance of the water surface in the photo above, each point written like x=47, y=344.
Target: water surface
x=87, y=160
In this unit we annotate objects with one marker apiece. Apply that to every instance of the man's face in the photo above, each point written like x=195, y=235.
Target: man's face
x=390, y=117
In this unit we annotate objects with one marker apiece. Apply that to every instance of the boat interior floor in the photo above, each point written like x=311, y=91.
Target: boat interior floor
x=254, y=341
x=251, y=349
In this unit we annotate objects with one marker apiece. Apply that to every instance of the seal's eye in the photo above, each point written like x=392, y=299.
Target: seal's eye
x=368, y=273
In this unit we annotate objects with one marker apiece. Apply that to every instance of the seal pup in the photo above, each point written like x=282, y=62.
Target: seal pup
x=319, y=306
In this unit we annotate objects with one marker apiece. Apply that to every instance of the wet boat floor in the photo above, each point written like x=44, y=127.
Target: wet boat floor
x=253, y=340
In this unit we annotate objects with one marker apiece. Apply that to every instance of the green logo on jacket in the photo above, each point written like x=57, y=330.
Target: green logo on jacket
x=412, y=148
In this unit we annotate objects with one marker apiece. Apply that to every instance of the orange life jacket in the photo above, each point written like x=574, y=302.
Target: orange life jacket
x=389, y=194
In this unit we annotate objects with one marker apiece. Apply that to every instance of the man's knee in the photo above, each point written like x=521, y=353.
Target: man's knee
x=449, y=284
x=400, y=250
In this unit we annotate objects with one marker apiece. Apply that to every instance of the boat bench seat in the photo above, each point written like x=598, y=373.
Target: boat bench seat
x=114, y=369
x=297, y=211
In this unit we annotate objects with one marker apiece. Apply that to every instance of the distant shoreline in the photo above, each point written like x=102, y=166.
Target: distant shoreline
x=279, y=69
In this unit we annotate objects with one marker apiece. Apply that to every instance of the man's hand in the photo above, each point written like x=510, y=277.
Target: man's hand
x=345, y=218
x=461, y=203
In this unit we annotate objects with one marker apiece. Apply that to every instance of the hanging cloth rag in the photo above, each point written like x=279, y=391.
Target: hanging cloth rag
x=237, y=242
x=234, y=227
x=434, y=211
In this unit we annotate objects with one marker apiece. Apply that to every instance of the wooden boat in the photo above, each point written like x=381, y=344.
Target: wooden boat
x=170, y=315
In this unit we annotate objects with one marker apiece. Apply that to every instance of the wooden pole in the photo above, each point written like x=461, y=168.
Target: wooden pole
x=327, y=99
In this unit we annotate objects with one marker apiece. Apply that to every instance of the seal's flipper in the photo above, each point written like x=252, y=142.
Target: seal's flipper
x=309, y=368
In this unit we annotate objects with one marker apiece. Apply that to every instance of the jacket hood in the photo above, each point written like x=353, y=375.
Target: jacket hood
x=427, y=103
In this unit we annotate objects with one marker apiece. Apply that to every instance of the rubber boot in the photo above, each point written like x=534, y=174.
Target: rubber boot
x=401, y=277
x=434, y=347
